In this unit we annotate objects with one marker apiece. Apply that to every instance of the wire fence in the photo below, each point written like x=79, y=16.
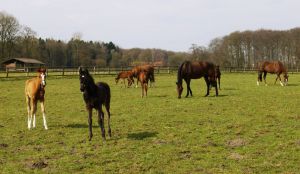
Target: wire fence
x=72, y=71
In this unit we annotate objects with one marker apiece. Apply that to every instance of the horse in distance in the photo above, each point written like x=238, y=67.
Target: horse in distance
x=34, y=92
x=144, y=78
x=146, y=68
x=272, y=67
x=195, y=70
x=125, y=75
x=95, y=95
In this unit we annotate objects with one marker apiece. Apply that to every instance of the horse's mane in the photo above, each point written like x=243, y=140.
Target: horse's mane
x=89, y=78
x=179, y=73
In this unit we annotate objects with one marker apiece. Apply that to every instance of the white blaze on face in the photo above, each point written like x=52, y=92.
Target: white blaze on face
x=43, y=79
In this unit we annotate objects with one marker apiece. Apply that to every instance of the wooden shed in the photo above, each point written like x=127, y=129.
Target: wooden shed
x=22, y=64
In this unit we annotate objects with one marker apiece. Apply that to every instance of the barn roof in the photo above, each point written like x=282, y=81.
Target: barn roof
x=24, y=60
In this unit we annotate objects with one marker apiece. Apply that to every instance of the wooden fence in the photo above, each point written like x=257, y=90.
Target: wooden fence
x=72, y=71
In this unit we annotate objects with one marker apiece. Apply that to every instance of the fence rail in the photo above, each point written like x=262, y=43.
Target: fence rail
x=69, y=71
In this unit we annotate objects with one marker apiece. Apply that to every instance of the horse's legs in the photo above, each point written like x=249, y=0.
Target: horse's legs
x=207, y=86
x=187, y=81
x=278, y=76
x=219, y=79
x=216, y=87
x=146, y=88
x=276, y=79
x=90, y=123
x=44, y=114
x=33, y=111
x=107, y=107
x=259, y=78
x=101, y=122
x=142, y=84
x=265, y=75
x=28, y=111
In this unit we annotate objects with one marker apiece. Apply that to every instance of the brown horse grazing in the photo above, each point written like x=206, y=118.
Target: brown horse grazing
x=144, y=78
x=34, y=92
x=147, y=68
x=125, y=75
x=218, y=76
x=95, y=95
x=195, y=70
x=275, y=67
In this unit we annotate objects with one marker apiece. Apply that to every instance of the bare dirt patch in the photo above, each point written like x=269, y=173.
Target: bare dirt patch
x=236, y=143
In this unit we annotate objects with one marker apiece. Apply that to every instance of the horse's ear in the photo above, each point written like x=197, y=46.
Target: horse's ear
x=80, y=69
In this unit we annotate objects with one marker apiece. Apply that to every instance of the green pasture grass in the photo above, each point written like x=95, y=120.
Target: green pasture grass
x=247, y=129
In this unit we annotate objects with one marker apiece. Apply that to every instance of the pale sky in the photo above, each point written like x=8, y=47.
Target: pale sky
x=166, y=24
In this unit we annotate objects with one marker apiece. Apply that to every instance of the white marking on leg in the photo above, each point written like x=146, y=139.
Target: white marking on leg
x=281, y=83
x=33, y=123
x=257, y=83
x=29, y=122
x=45, y=122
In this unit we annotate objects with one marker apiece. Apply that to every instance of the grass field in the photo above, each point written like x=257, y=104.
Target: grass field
x=247, y=129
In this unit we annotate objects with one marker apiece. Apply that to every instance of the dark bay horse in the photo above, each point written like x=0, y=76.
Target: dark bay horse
x=34, y=92
x=195, y=70
x=95, y=95
x=273, y=67
x=146, y=68
x=125, y=75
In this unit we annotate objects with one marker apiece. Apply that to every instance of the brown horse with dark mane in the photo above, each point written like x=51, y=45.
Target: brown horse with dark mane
x=34, y=92
x=95, y=95
x=195, y=70
x=146, y=68
x=273, y=67
x=125, y=75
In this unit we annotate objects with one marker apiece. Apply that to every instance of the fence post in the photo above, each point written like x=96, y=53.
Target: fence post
x=168, y=70
x=27, y=72
x=108, y=70
x=63, y=71
x=94, y=70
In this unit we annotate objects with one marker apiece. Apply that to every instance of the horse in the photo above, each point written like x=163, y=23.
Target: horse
x=125, y=75
x=144, y=78
x=147, y=68
x=218, y=75
x=195, y=70
x=273, y=67
x=34, y=92
x=95, y=95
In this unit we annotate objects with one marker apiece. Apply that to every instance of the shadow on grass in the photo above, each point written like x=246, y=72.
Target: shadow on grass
x=77, y=125
x=141, y=135
x=293, y=85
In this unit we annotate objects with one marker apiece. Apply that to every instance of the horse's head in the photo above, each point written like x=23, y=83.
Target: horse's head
x=42, y=75
x=83, y=78
x=285, y=79
x=179, y=89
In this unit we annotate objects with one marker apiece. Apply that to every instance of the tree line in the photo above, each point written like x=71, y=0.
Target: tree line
x=238, y=49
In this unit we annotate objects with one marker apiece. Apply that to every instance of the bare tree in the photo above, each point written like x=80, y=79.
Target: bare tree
x=9, y=28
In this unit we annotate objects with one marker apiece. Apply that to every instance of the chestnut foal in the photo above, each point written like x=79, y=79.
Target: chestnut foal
x=34, y=92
